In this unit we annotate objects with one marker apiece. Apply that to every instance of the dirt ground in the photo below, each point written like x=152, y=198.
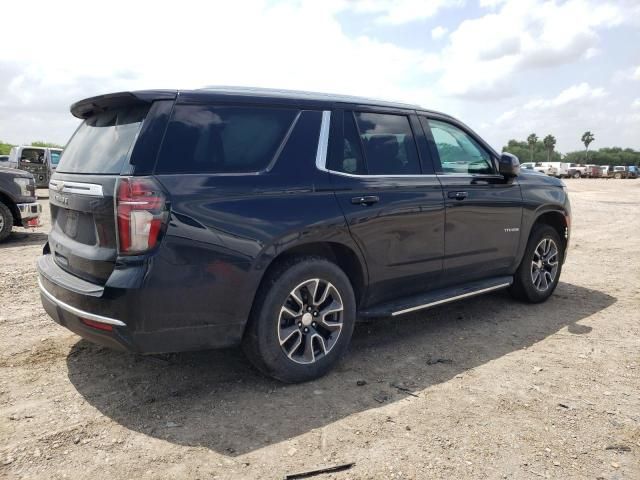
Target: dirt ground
x=489, y=388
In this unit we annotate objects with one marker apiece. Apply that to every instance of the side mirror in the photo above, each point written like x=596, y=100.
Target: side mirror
x=508, y=165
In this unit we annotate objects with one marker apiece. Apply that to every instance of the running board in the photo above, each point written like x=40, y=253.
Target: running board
x=436, y=297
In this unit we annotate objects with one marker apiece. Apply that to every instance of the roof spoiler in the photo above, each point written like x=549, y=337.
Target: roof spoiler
x=90, y=106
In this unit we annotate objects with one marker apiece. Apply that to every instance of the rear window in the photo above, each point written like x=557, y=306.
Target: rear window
x=216, y=139
x=32, y=155
x=103, y=142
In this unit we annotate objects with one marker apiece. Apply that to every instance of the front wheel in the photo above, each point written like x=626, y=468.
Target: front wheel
x=301, y=321
x=6, y=221
x=539, y=272
x=576, y=175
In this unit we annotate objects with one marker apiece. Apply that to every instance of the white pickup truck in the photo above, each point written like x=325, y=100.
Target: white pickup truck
x=575, y=170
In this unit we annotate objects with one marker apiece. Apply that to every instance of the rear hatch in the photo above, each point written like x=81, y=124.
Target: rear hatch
x=83, y=238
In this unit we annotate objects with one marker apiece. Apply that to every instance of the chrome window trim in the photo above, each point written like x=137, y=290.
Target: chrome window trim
x=323, y=141
x=89, y=189
x=78, y=312
x=323, y=148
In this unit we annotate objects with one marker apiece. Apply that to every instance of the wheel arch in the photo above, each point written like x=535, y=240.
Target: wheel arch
x=344, y=256
x=13, y=208
x=556, y=219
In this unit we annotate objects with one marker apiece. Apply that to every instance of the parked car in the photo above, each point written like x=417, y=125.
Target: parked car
x=619, y=171
x=589, y=169
x=632, y=171
x=528, y=165
x=605, y=170
x=5, y=161
x=273, y=219
x=596, y=171
x=35, y=160
x=18, y=204
x=575, y=170
x=544, y=167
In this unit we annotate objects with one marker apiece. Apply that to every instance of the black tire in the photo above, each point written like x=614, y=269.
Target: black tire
x=6, y=222
x=523, y=287
x=261, y=342
x=576, y=175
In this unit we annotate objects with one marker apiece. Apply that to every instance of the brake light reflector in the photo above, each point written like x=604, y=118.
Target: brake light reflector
x=141, y=212
x=98, y=325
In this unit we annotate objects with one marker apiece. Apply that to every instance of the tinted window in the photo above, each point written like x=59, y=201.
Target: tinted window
x=102, y=143
x=32, y=155
x=214, y=139
x=459, y=152
x=350, y=159
x=388, y=144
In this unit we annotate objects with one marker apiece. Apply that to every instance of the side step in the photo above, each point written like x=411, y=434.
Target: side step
x=436, y=297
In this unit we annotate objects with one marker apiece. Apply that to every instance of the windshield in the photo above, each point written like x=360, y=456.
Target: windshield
x=55, y=156
x=102, y=143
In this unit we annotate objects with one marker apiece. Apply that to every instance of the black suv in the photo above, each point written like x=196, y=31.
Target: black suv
x=273, y=219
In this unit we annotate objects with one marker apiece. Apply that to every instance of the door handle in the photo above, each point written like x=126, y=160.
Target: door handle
x=365, y=200
x=457, y=195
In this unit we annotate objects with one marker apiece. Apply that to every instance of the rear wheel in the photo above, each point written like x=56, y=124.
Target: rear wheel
x=302, y=320
x=618, y=176
x=538, y=274
x=576, y=174
x=6, y=221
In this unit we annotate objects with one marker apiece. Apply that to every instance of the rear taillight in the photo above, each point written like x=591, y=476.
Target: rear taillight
x=141, y=208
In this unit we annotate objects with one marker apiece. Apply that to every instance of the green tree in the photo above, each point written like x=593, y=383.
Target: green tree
x=522, y=150
x=40, y=143
x=587, y=139
x=5, y=148
x=549, y=143
x=532, y=140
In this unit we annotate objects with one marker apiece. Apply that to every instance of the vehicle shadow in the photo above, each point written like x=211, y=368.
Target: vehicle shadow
x=19, y=238
x=216, y=400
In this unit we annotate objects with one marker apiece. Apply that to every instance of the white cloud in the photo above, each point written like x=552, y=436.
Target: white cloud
x=287, y=45
x=575, y=93
x=636, y=73
x=636, y=103
x=567, y=115
x=305, y=45
x=491, y=3
x=506, y=116
x=527, y=34
x=397, y=12
x=439, y=32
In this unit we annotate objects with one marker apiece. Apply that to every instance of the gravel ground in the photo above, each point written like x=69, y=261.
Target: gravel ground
x=485, y=388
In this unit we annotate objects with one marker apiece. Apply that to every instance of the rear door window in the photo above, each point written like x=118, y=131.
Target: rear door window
x=388, y=144
x=221, y=139
x=34, y=156
x=102, y=143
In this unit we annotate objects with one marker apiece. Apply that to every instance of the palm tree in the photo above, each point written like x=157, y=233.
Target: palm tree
x=587, y=138
x=549, y=143
x=532, y=140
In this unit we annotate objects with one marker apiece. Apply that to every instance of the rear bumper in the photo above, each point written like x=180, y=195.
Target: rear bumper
x=122, y=318
x=29, y=211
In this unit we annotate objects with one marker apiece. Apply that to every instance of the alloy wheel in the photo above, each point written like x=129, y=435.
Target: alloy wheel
x=544, y=266
x=310, y=321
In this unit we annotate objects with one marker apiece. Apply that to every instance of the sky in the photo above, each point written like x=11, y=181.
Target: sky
x=505, y=68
